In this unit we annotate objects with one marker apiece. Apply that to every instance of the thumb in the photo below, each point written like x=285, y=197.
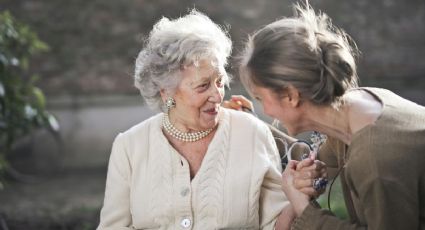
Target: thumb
x=292, y=164
x=313, y=155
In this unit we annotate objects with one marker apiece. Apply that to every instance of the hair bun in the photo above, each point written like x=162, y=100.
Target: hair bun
x=305, y=51
x=336, y=67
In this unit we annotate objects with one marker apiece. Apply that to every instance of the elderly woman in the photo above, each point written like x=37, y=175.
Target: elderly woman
x=196, y=165
x=302, y=70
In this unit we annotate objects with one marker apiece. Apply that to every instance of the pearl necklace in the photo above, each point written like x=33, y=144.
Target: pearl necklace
x=182, y=136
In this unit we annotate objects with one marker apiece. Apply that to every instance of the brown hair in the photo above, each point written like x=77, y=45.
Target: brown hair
x=305, y=51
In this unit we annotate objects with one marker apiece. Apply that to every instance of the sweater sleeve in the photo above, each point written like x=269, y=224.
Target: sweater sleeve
x=272, y=198
x=115, y=213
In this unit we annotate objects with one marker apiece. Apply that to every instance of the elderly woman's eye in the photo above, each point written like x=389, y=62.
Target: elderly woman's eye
x=203, y=86
x=220, y=82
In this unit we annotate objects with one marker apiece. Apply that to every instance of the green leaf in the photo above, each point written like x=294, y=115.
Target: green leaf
x=40, y=46
x=40, y=100
x=22, y=104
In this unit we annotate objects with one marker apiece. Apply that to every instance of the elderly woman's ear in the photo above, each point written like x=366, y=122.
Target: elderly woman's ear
x=163, y=95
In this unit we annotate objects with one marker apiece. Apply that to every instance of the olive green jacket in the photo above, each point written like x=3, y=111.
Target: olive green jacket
x=382, y=171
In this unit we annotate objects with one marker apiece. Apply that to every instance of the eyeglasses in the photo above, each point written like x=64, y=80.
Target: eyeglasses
x=297, y=150
x=301, y=149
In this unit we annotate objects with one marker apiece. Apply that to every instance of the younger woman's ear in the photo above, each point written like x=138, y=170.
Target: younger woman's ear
x=293, y=96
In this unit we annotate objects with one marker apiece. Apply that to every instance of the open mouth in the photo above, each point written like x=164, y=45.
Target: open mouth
x=212, y=111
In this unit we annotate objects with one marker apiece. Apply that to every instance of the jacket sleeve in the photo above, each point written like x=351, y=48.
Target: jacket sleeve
x=382, y=201
x=314, y=218
x=385, y=181
x=385, y=190
x=115, y=213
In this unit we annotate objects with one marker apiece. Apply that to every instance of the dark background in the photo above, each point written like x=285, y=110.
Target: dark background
x=94, y=43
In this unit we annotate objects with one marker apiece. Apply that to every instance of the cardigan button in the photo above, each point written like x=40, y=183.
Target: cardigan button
x=186, y=222
x=184, y=192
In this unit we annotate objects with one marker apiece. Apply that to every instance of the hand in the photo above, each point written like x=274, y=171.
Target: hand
x=306, y=172
x=238, y=102
x=298, y=199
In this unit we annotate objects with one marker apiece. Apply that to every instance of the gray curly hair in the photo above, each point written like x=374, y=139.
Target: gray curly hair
x=173, y=44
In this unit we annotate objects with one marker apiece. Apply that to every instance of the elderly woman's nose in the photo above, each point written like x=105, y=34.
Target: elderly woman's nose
x=216, y=94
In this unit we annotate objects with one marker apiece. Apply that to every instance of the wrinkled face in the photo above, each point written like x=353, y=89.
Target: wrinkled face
x=198, y=97
x=278, y=107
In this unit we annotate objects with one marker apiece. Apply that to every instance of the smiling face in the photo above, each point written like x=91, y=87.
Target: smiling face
x=198, y=97
x=284, y=107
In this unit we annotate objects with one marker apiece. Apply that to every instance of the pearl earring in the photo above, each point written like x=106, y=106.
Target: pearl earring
x=170, y=103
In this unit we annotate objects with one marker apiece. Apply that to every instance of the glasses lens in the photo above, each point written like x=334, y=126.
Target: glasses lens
x=299, y=151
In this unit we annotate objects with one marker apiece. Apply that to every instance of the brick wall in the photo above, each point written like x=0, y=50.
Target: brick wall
x=94, y=43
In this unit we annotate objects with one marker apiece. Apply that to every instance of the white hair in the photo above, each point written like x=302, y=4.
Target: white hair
x=173, y=44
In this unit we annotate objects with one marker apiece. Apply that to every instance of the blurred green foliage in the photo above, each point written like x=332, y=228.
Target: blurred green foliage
x=22, y=104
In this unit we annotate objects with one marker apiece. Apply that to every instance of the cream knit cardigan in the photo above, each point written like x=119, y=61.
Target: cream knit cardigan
x=238, y=185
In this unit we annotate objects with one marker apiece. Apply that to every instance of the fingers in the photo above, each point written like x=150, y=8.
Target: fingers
x=324, y=173
x=243, y=101
x=319, y=164
x=321, y=169
x=238, y=102
x=306, y=172
x=313, y=155
x=292, y=165
x=306, y=186
x=310, y=174
x=308, y=162
x=232, y=105
x=287, y=176
x=303, y=183
x=316, y=170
